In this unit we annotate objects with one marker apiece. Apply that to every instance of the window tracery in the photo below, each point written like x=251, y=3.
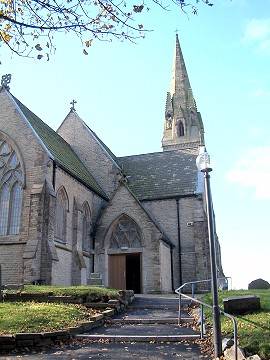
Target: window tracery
x=126, y=233
x=11, y=190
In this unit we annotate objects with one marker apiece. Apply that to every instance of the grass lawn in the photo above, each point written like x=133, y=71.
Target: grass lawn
x=96, y=293
x=17, y=317
x=253, y=329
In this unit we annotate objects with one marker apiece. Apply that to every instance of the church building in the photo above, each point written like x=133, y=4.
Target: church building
x=71, y=210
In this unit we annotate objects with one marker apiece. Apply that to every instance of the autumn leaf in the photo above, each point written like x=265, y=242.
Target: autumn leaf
x=88, y=43
x=38, y=47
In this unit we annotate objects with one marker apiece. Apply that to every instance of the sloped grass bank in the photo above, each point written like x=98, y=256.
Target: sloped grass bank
x=96, y=293
x=253, y=329
x=22, y=317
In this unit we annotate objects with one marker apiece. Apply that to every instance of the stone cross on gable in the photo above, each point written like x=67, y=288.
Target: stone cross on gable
x=73, y=102
x=5, y=81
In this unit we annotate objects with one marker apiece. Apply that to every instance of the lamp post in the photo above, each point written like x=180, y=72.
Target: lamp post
x=203, y=165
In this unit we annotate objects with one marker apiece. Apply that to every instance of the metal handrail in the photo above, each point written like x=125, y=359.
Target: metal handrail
x=192, y=298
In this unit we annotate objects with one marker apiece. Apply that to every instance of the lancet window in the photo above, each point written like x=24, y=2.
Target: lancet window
x=126, y=233
x=61, y=214
x=11, y=189
x=86, y=227
x=180, y=128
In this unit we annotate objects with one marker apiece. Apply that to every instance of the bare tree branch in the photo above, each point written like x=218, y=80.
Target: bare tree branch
x=27, y=26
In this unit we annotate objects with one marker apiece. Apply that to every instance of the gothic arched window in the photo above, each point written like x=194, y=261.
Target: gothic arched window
x=86, y=227
x=61, y=214
x=126, y=233
x=180, y=128
x=11, y=190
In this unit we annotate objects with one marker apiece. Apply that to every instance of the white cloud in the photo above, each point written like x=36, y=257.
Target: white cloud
x=261, y=93
x=257, y=31
x=252, y=170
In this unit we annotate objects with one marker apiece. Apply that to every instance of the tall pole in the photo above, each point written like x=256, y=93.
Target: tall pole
x=211, y=234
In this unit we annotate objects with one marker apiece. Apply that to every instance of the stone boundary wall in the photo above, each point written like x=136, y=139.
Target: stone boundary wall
x=43, y=339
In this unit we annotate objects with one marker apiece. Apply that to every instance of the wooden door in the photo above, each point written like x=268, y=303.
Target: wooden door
x=117, y=271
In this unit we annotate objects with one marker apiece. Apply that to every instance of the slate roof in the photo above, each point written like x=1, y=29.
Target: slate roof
x=161, y=174
x=62, y=152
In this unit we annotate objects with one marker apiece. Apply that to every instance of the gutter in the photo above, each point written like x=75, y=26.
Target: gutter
x=169, y=197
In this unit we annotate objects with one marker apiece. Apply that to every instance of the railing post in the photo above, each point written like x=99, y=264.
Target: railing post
x=192, y=289
x=1, y=293
x=179, y=309
x=235, y=335
x=202, y=321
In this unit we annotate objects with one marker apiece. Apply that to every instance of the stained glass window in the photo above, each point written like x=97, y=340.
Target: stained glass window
x=61, y=214
x=11, y=184
x=86, y=227
x=126, y=233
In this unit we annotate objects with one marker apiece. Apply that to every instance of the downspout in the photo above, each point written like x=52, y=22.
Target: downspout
x=179, y=243
x=93, y=256
x=172, y=278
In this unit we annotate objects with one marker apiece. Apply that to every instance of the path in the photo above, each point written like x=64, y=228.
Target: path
x=148, y=330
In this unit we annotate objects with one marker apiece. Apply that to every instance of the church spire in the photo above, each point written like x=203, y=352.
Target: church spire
x=183, y=125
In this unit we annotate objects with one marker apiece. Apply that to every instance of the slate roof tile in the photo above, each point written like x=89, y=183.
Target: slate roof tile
x=161, y=174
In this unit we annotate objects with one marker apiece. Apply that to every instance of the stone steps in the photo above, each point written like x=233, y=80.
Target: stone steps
x=149, y=320
x=139, y=338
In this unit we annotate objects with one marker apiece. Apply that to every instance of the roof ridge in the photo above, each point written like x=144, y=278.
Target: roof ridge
x=168, y=152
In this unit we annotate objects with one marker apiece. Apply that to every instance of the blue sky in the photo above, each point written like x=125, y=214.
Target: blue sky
x=121, y=88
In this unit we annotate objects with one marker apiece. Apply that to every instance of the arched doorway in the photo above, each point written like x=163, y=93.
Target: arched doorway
x=124, y=271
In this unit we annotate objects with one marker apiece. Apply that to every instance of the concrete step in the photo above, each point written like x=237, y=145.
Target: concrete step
x=143, y=302
x=139, y=338
x=151, y=313
x=129, y=320
x=142, y=329
x=135, y=306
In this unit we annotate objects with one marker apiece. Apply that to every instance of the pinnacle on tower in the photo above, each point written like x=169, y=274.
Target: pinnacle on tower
x=183, y=125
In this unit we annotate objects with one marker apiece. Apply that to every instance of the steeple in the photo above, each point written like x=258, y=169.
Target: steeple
x=183, y=126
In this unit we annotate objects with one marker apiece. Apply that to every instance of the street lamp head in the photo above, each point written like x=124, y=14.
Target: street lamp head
x=203, y=160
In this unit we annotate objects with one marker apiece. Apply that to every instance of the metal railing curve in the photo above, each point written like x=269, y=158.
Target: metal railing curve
x=202, y=305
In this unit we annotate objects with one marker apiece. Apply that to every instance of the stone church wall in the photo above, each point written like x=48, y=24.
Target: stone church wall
x=124, y=203
x=193, y=235
x=34, y=159
x=90, y=151
x=73, y=267
x=165, y=213
x=165, y=268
